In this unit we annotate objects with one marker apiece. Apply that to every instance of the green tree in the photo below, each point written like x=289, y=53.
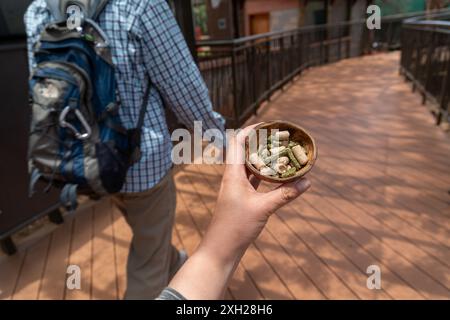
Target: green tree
x=200, y=15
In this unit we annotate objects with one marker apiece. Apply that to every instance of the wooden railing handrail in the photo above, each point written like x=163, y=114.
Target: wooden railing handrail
x=424, y=64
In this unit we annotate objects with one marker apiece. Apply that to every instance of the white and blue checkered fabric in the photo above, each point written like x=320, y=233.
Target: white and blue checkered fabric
x=148, y=49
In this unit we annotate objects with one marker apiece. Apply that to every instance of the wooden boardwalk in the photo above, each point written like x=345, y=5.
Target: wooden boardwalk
x=379, y=197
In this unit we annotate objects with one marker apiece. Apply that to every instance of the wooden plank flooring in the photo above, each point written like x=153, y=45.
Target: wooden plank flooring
x=379, y=196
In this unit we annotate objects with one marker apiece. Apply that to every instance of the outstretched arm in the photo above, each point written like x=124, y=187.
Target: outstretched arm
x=241, y=214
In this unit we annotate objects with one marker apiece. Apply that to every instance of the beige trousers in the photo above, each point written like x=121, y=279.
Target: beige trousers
x=152, y=257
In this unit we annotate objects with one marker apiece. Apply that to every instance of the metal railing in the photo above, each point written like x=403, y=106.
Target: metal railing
x=244, y=72
x=426, y=61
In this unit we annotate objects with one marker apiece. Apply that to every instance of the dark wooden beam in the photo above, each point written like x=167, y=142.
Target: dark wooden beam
x=236, y=12
x=185, y=18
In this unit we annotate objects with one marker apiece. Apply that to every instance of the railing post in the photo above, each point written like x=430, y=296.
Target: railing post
x=235, y=97
x=339, y=46
x=322, y=40
x=389, y=34
x=417, y=62
x=308, y=49
x=370, y=37
x=253, y=74
x=404, y=48
x=349, y=42
x=428, y=68
x=282, y=56
x=300, y=51
x=269, y=66
x=292, y=59
x=445, y=95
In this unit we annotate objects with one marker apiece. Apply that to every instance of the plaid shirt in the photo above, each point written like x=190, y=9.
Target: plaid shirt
x=148, y=49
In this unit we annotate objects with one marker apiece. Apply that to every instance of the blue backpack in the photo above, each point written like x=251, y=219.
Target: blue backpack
x=77, y=141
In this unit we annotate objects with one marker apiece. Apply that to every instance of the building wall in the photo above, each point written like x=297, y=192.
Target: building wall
x=311, y=12
x=220, y=20
x=338, y=11
x=284, y=14
x=282, y=20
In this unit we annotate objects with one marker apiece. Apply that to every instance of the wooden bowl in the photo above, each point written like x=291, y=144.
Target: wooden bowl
x=297, y=134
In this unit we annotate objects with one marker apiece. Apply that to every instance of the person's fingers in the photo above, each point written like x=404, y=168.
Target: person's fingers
x=281, y=196
x=236, y=152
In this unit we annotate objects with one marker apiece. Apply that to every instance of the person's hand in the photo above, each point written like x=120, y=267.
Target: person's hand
x=241, y=212
x=240, y=215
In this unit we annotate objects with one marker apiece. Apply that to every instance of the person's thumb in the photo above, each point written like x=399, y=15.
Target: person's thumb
x=281, y=196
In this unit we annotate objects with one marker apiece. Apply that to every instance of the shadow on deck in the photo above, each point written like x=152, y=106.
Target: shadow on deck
x=379, y=197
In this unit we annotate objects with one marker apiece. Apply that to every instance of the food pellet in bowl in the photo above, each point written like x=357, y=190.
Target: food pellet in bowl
x=279, y=156
x=300, y=154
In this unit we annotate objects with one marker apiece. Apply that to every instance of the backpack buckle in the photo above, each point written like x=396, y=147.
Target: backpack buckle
x=64, y=124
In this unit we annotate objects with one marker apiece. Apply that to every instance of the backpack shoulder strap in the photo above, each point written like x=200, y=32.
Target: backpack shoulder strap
x=143, y=109
x=90, y=8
